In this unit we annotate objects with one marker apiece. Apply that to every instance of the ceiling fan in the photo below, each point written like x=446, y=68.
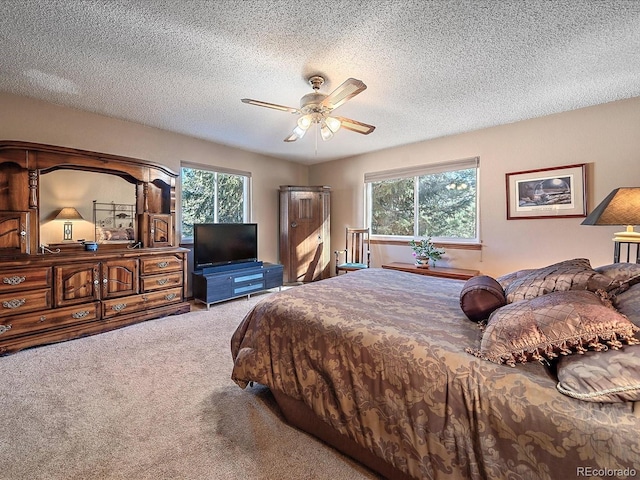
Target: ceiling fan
x=317, y=107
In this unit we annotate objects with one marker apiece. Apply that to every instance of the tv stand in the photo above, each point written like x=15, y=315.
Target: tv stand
x=217, y=284
x=230, y=266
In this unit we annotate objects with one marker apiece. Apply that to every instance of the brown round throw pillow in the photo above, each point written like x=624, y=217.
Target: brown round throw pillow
x=480, y=296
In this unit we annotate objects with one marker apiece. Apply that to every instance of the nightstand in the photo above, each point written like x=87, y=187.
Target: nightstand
x=443, y=272
x=616, y=251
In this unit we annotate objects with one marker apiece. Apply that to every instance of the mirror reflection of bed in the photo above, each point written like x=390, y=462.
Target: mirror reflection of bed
x=115, y=222
x=79, y=189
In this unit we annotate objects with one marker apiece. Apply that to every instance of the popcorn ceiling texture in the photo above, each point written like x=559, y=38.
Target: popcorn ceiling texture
x=433, y=68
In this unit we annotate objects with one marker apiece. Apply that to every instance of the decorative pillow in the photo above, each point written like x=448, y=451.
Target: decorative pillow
x=480, y=296
x=628, y=304
x=506, y=280
x=623, y=275
x=612, y=376
x=575, y=274
x=557, y=323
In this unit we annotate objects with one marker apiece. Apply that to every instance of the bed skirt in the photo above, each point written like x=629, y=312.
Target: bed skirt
x=300, y=416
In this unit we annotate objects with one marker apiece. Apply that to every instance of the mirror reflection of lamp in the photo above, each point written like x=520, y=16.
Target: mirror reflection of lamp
x=68, y=214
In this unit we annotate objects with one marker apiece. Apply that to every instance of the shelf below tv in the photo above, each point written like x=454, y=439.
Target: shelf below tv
x=217, y=284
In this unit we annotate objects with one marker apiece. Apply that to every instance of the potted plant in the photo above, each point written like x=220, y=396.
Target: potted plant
x=425, y=251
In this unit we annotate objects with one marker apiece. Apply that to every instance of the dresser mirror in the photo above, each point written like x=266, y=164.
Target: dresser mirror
x=106, y=203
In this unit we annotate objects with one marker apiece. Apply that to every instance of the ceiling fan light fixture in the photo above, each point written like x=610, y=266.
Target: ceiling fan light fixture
x=316, y=107
x=333, y=124
x=325, y=131
x=305, y=121
x=299, y=132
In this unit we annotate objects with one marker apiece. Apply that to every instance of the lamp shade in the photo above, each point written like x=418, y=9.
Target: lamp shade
x=69, y=213
x=621, y=207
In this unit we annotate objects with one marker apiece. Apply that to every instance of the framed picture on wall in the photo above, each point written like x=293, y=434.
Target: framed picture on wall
x=557, y=192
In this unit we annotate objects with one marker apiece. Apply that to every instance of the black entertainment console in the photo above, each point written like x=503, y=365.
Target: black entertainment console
x=216, y=284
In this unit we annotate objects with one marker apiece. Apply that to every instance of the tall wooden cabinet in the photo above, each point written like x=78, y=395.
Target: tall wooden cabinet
x=305, y=251
x=51, y=293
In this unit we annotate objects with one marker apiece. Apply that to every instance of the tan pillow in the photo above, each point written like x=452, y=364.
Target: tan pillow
x=559, y=323
x=610, y=377
x=628, y=303
x=575, y=274
x=508, y=279
x=623, y=275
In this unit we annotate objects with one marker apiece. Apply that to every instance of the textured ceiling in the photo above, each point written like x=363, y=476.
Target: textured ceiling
x=433, y=68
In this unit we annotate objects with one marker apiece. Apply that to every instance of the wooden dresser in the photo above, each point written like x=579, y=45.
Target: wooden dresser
x=50, y=294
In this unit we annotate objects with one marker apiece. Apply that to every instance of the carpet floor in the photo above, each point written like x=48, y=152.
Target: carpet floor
x=151, y=401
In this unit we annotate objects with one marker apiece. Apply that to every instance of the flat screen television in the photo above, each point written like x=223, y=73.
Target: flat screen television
x=218, y=244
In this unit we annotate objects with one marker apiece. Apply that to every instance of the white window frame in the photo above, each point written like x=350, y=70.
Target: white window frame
x=414, y=172
x=247, y=189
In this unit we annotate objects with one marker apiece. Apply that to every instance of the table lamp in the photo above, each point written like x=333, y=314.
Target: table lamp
x=621, y=207
x=68, y=214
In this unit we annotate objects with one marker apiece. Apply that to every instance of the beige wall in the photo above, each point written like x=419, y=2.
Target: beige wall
x=31, y=120
x=605, y=137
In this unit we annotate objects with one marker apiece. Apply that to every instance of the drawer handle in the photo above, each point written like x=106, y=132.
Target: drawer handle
x=170, y=296
x=119, y=307
x=4, y=328
x=80, y=314
x=15, y=280
x=15, y=303
x=162, y=281
x=163, y=264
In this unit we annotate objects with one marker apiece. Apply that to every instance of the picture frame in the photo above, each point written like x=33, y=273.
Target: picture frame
x=557, y=192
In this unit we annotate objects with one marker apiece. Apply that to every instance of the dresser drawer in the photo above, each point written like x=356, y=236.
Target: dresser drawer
x=25, y=279
x=164, y=297
x=137, y=303
x=159, y=282
x=166, y=263
x=48, y=319
x=15, y=303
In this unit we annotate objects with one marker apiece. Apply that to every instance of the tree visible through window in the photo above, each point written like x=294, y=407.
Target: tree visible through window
x=212, y=197
x=442, y=204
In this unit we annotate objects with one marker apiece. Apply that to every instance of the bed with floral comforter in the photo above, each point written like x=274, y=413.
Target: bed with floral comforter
x=380, y=358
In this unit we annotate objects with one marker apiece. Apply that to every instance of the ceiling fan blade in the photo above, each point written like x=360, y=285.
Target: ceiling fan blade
x=355, y=126
x=349, y=89
x=270, y=105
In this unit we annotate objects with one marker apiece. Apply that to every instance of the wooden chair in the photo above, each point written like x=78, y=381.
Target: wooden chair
x=356, y=254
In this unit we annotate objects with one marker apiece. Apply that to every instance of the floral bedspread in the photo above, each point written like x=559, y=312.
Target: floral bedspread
x=380, y=356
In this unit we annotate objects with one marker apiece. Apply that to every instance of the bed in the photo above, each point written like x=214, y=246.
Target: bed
x=380, y=364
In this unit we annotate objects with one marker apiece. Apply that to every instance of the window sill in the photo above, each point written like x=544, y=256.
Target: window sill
x=446, y=245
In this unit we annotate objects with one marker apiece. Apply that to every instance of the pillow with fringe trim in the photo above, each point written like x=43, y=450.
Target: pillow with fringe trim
x=560, y=323
x=575, y=274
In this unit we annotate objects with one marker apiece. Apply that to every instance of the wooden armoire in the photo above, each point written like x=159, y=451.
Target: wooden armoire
x=305, y=249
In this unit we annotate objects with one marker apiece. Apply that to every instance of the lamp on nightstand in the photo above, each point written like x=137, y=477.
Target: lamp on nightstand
x=68, y=214
x=621, y=207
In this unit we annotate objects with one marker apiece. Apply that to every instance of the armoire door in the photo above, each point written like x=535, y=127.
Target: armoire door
x=304, y=233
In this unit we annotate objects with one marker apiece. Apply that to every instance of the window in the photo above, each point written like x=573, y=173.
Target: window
x=213, y=196
x=436, y=200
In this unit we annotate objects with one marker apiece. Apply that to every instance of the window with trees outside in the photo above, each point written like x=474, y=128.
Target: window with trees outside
x=213, y=196
x=438, y=200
